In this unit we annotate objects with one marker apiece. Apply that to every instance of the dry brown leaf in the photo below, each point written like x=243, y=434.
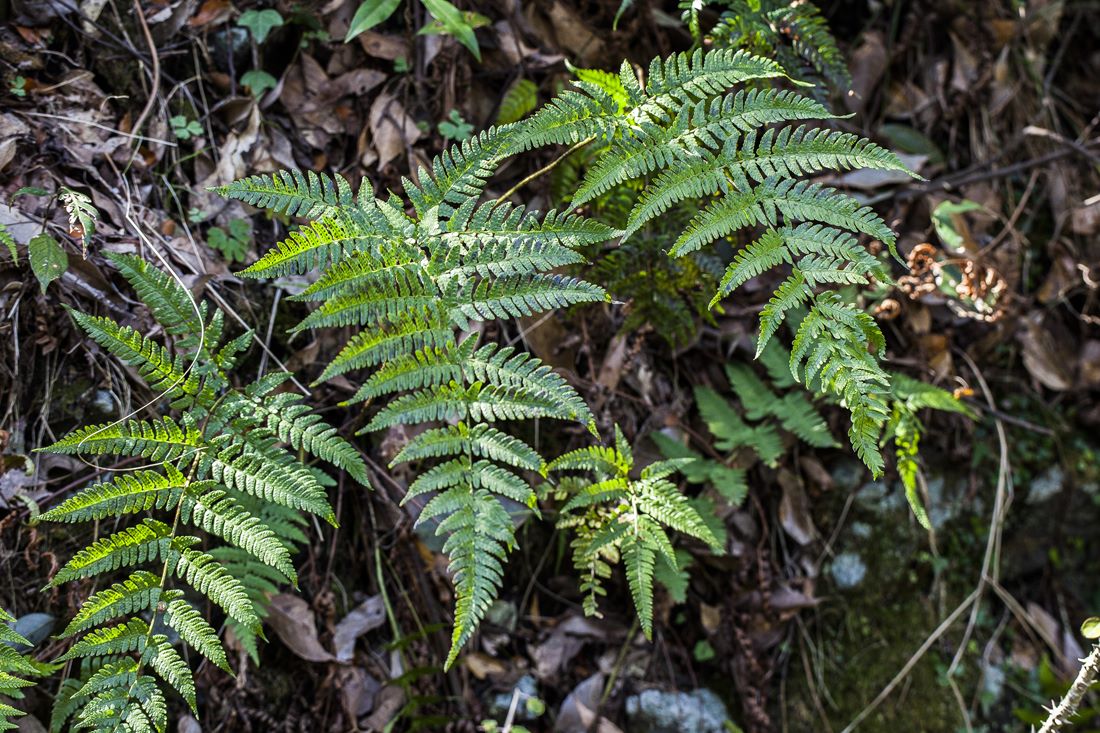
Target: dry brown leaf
x=573, y=33
x=210, y=12
x=294, y=623
x=391, y=129
x=868, y=65
x=382, y=46
x=710, y=617
x=578, y=711
x=387, y=703
x=482, y=665
x=1043, y=354
x=794, y=509
x=368, y=615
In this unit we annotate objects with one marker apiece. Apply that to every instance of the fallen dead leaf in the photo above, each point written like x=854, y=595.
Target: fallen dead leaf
x=482, y=665
x=391, y=129
x=294, y=623
x=794, y=509
x=578, y=711
x=368, y=615
x=1043, y=354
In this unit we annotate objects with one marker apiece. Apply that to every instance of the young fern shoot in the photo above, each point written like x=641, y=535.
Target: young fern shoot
x=213, y=464
x=616, y=518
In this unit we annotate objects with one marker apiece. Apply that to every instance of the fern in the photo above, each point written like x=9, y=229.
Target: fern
x=688, y=138
x=408, y=286
x=217, y=469
x=617, y=518
x=791, y=31
x=405, y=284
x=15, y=668
x=908, y=397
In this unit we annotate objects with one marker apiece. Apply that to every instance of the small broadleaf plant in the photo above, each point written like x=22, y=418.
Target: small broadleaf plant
x=417, y=289
x=211, y=466
x=615, y=517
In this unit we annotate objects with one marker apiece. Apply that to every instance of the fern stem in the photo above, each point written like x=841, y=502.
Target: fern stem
x=546, y=168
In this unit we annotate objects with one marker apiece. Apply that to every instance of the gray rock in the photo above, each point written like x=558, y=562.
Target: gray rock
x=656, y=711
x=34, y=627
x=848, y=570
x=527, y=689
x=1046, y=485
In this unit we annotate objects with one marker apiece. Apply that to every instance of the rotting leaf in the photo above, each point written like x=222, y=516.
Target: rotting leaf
x=48, y=259
x=82, y=216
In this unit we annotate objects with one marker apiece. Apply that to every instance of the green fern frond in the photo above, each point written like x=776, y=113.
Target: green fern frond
x=194, y=629
x=165, y=298
x=157, y=367
x=218, y=513
x=141, y=590
x=481, y=440
x=617, y=518
x=460, y=172
x=480, y=534
x=206, y=575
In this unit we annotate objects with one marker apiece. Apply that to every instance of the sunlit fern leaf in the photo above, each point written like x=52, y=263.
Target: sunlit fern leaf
x=163, y=372
x=141, y=590
x=218, y=513
x=160, y=439
x=15, y=669
x=482, y=440
x=161, y=294
x=203, y=573
x=293, y=193
x=127, y=493
x=518, y=101
x=170, y=667
x=479, y=535
x=141, y=543
x=460, y=172
x=181, y=616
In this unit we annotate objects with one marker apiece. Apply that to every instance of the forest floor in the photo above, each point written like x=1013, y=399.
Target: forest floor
x=831, y=592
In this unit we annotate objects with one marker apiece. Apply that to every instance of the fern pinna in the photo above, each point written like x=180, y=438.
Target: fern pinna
x=213, y=465
x=414, y=287
x=616, y=517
